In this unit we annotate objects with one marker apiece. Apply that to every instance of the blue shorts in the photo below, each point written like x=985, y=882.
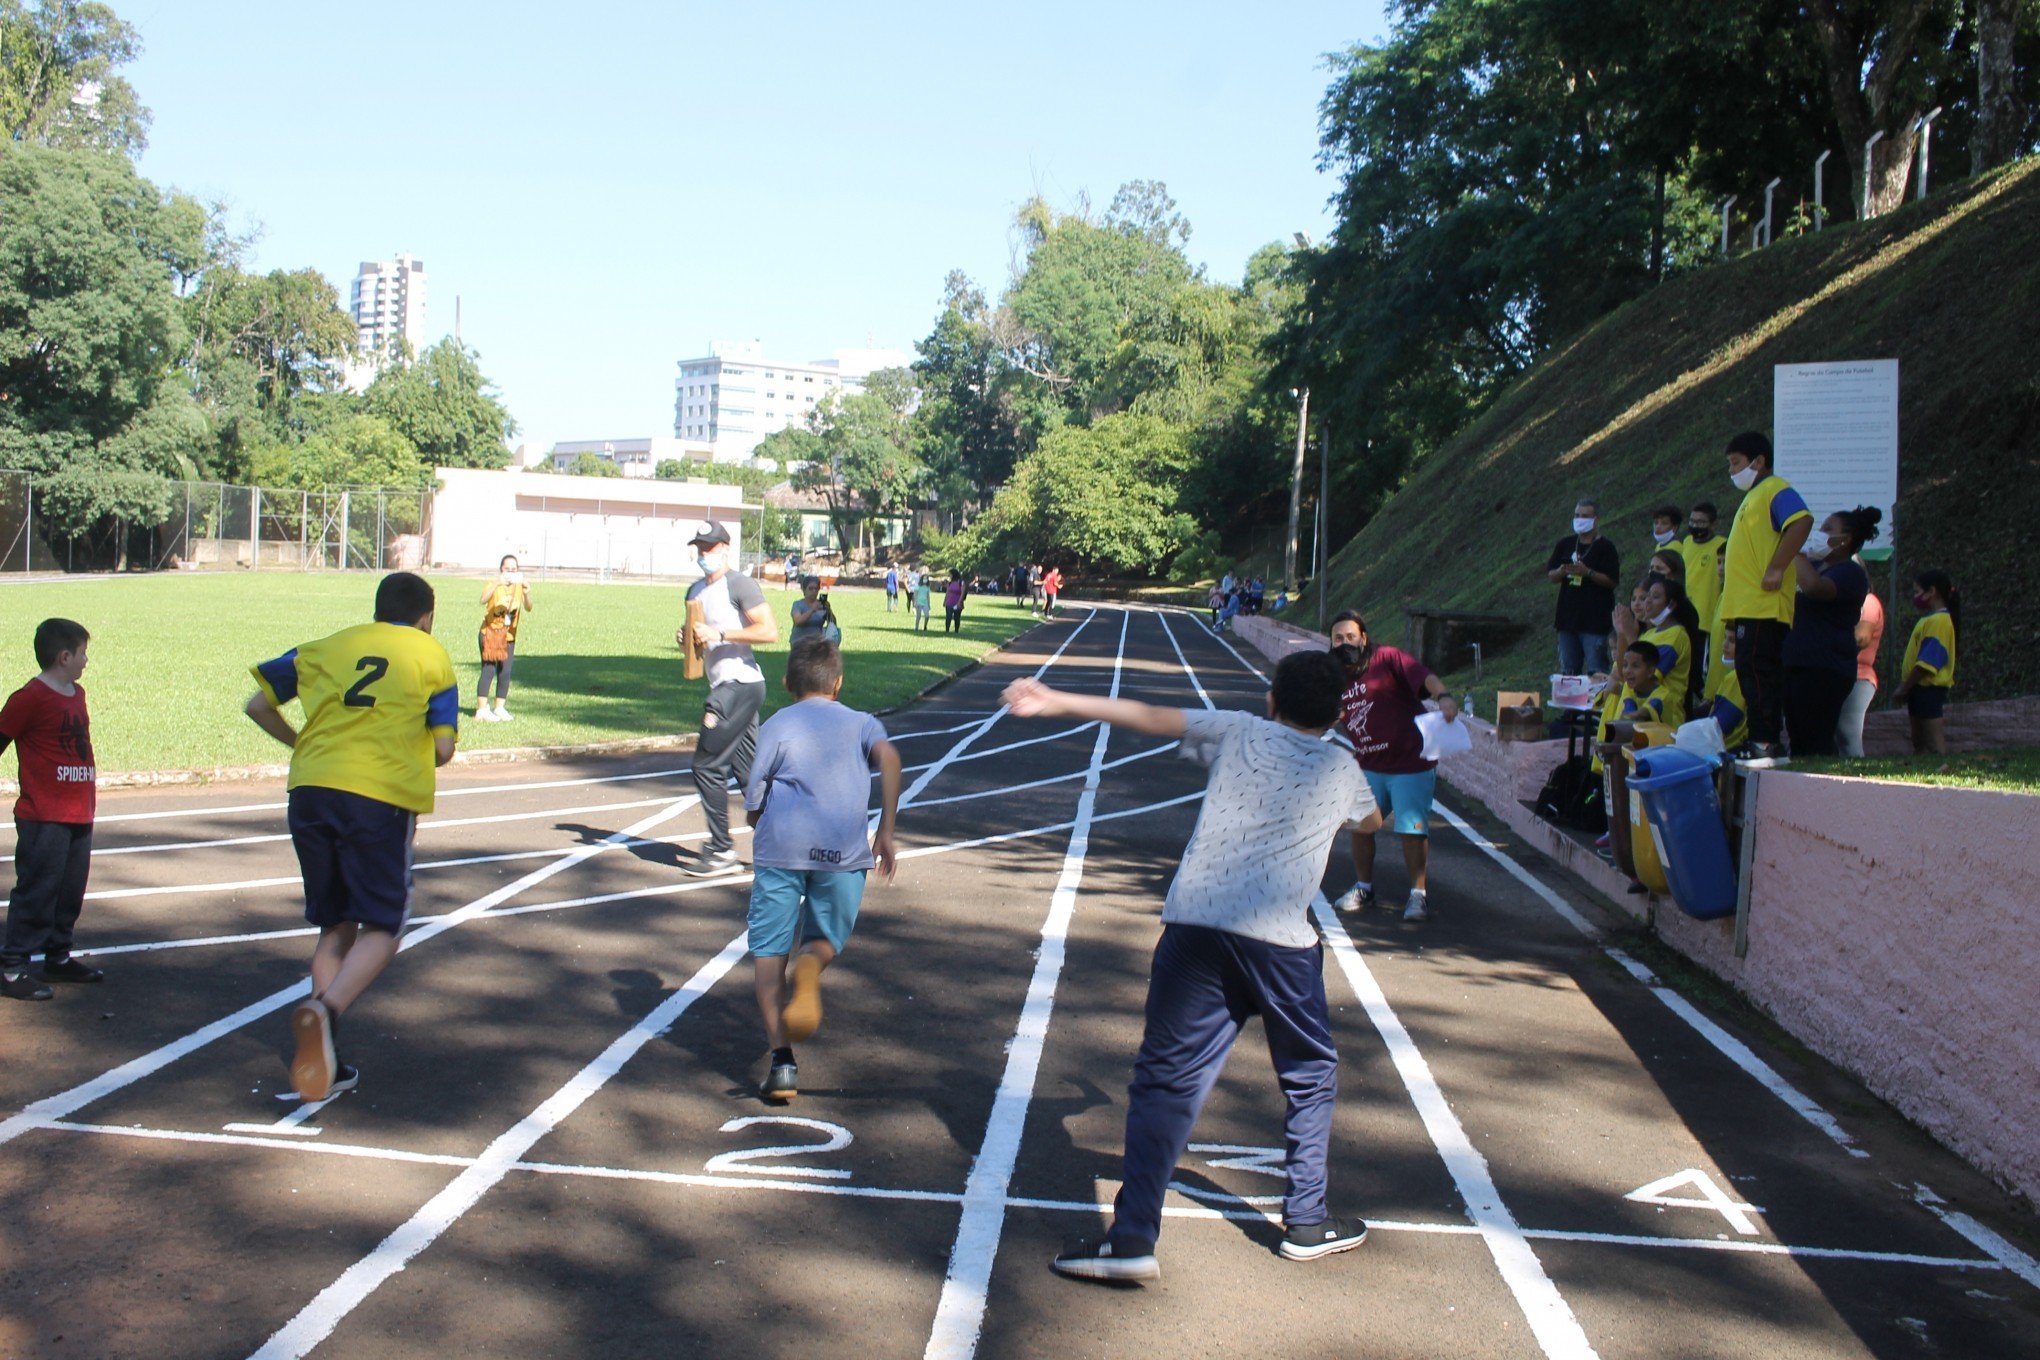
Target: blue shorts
x=804, y=903
x=356, y=856
x=1927, y=702
x=1404, y=800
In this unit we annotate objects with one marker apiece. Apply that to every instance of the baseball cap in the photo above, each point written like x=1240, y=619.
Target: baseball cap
x=710, y=533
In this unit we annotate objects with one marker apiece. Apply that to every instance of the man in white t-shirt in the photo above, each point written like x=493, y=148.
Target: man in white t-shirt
x=1237, y=941
x=735, y=618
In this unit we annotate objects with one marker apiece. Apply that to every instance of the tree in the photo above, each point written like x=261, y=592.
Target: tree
x=2001, y=132
x=89, y=326
x=57, y=81
x=443, y=404
x=356, y=451
x=1885, y=60
x=588, y=463
x=863, y=460
x=965, y=429
x=258, y=344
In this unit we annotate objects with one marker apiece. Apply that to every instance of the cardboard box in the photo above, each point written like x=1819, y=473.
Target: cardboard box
x=1519, y=716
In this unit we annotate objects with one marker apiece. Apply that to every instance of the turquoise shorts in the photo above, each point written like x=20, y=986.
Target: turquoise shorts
x=789, y=905
x=1404, y=800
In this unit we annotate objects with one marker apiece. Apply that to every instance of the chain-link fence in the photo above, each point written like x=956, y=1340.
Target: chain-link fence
x=211, y=524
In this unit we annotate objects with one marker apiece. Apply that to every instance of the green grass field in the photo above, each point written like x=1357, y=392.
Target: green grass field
x=2015, y=769
x=170, y=657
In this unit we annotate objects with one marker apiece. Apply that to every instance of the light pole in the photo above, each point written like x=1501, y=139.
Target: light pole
x=1819, y=210
x=1726, y=204
x=1324, y=521
x=1870, y=170
x=1770, y=189
x=1926, y=127
x=1296, y=486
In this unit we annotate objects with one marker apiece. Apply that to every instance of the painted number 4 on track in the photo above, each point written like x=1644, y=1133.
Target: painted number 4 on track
x=1710, y=1196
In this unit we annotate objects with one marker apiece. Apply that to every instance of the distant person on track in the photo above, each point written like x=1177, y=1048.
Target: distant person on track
x=923, y=601
x=806, y=796
x=1820, y=651
x=504, y=605
x=382, y=713
x=1051, y=591
x=953, y=596
x=1757, y=596
x=1384, y=692
x=1584, y=566
x=1929, y=669
x=47, y=723
x=737, y=619
x=1237, y=941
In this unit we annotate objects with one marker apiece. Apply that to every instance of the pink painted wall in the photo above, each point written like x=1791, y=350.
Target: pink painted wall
x=1896, y=929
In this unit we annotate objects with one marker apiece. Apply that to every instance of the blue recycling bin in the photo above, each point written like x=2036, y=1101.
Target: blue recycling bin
x=1685, y=823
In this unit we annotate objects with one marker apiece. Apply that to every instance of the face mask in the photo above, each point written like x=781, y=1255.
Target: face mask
x=1348, y=655
x=1817, y=544
x=1582, y=525
x=1922, y=600
x=1662, y=615
x=712, y=562
x=1745, y=479
x=1663, y=538
x=1698, y=534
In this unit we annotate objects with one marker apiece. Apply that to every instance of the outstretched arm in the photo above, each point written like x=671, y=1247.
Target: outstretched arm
x=1032, y=699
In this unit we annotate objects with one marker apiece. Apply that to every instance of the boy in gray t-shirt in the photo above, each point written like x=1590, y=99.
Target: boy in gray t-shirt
x=1236, y=942
x=806, y=795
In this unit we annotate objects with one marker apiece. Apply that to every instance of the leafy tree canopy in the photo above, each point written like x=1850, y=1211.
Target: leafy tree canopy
x=443, y=404
x=58, y=85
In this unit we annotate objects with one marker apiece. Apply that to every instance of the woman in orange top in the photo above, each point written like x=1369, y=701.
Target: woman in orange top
x=504, y=604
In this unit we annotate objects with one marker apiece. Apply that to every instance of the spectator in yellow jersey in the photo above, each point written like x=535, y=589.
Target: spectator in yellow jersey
x=1702, y=548
x=1758, y=589
x=1671, y=626
x=1929, y=670
x=504, y=605
x=382, y=711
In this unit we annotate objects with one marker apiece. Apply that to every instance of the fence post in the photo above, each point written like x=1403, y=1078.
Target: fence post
x=28, y=538
x=254, y=526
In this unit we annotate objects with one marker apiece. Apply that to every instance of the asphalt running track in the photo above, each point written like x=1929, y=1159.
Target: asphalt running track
x=556, y=1149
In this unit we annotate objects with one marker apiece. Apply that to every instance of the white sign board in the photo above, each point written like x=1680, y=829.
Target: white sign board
x=1835, y=427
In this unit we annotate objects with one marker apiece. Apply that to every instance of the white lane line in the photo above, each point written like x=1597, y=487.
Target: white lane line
x=316, y=1321
x=1086, y=1207
x=1551, y=1320
x=99, y=1087
x=173, y=814
x=432, y=823
x=1184, y=661
x=960, y=1313
x=1730, y=1047
x=1219, y=638
x=1998, y=1249
x=1043, y=783
x=937, y=732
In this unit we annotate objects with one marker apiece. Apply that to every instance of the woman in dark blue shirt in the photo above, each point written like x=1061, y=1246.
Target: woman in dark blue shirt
x=1820, y=651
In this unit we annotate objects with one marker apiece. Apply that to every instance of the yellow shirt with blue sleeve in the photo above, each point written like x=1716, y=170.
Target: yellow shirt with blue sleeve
x=1760, y=523
x=1675, y=669
x=1703, y=579
x=1932, y=646
x=375, y=695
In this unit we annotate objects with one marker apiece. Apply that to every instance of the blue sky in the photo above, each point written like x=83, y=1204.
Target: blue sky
x=609, y=187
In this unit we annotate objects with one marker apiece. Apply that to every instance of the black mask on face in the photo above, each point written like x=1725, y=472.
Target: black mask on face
x=1699, y=534
x=1348, y=655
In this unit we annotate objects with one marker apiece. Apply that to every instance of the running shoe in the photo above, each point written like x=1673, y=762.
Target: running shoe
x=1418, y=907
x=708, y=863
x=22, y=987
x=70, y=970
x=505, y=715
x=1308, y=1241
x=345, y=1078
x=312, y=1069
x=1355, y=898
x=1128, y=1264
x=781, y=1084
x=802, y=1014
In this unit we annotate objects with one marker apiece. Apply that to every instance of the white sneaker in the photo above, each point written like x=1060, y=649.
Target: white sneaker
x=1418, y=908
x=1354, y=899
x=505, y=715
x=485, y=715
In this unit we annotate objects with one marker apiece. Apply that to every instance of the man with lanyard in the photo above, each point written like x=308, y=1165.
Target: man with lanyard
x=1584, y=565
x=1757, y=591
x=735, y=618
x=1385, y=692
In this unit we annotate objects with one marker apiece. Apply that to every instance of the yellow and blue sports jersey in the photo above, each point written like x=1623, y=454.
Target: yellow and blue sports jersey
x=375, y=695
x=1760, y=522
x=1703, y=579
x=1649, y=706
x=1932, y=646
x=1724, y=691
x=1675, y=662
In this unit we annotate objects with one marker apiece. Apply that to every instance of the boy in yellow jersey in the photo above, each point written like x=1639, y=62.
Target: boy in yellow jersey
x=381, y=714
x=1758, y=588
x=1702, y=548
x=1929, y=670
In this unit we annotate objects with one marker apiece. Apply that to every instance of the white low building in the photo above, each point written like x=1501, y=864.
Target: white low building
x=632, y=457
x=604, y=525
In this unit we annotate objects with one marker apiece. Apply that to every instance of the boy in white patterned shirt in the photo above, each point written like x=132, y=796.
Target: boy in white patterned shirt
x=1237, y=941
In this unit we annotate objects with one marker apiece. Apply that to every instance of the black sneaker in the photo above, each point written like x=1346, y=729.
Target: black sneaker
x=345, y=1078
x=709, y=863
x=781, y=1084
x=70, y=970
x=1308, y=1241
x=1129, y=1263
x=22, y=987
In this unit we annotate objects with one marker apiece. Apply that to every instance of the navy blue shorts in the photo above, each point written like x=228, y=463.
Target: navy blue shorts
x=1927, y=702
x=356, y=856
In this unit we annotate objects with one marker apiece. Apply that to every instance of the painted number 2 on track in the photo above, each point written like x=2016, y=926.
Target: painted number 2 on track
x=835, y=1139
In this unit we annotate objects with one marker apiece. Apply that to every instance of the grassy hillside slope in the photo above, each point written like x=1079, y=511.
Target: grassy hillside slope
x=1637, y=410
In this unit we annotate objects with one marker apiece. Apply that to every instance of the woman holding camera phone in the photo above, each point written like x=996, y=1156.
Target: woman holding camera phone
x=504, y=604
x=811, y=614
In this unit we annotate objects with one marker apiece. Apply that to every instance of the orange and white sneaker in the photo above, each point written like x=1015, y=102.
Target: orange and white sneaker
x=312, y=1069
x=802, y=1014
